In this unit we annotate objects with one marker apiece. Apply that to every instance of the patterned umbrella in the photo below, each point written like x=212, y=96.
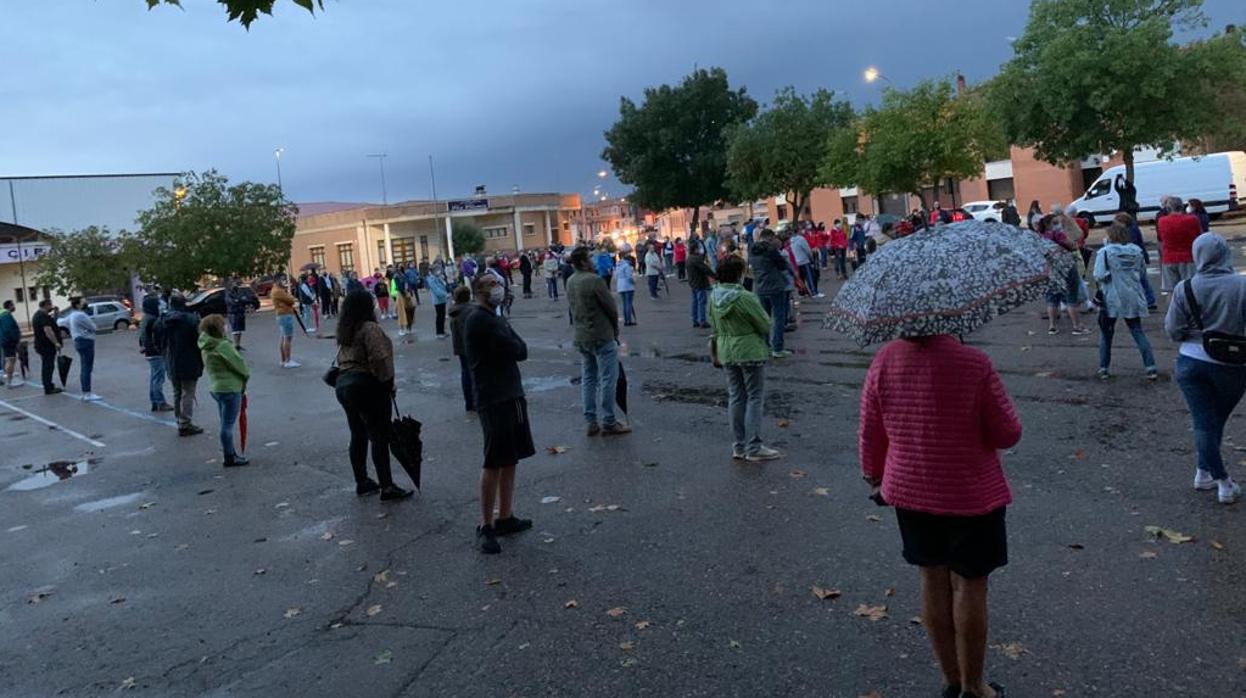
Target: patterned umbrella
x=951, y=279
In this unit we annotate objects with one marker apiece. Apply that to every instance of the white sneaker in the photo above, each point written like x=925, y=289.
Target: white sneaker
x=1203, y=480
x=292, y=364
x=820, y=295
x=763, y=453
x=91, y=397
x=1229, y=491
x=402, y=333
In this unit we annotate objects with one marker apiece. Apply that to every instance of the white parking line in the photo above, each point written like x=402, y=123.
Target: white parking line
x=54, y=425
x=115, y=408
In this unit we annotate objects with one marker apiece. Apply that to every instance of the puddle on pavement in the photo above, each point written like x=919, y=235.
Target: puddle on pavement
x=51, y=474
x=540, y=384
x=109, y=503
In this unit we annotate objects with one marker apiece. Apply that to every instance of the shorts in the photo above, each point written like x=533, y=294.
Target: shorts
x=285, y=323
x=972, y=546
x=237, y=324
x=508, y=438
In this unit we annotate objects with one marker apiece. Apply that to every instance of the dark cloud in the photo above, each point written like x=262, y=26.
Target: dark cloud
x=501, y=92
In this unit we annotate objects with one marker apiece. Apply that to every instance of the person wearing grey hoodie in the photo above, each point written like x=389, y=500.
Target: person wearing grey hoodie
x=1211, y=388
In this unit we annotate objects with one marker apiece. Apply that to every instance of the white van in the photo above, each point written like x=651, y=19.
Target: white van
x=1215, y=179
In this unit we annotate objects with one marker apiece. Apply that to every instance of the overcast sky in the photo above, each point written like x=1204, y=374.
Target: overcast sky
x=500, y=92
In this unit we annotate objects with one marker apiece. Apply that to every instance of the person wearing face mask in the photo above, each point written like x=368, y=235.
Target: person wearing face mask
x=493, y=351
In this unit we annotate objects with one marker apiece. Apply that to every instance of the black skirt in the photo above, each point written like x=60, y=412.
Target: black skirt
x=972, y=546
x=508, y=438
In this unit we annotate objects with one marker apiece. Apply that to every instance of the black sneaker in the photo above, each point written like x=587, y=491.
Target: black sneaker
x=367, y=487
x=236, y=461
x=951, y=691
x=486, y=541
x=999, y=691
x=191, y=430
x=53, y=391
x=510, y=525
x=393, y=493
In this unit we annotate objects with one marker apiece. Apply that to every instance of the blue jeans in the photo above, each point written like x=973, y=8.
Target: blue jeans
x=86, y=355
x=1147, y=290
x=811, y=280
x=1211, y=391
x=1107, y=330
x=746, y=387
x=699, y=298
x=551, y=287
x=841, y=262
x=599, y=373
x=155, y=386
x=629, y=310
x=776, y=305
x=653, y=285
x=824, y=254
x=229, y=405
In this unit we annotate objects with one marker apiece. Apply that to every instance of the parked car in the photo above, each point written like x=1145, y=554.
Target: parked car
x=109, y=299
x=1216, y=179
x=108, y=315
x=263, y=286
x=985, y=211
x=212, y=301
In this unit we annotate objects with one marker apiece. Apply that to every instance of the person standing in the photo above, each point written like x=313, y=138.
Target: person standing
x=934, y=416
x=1066, y=291
x=1211, y=386
x=1118, y=270
x=857, y=242
x=399, y=294
x=549, y=271
x=415, y=278
x=283, y=308
x=380, y=287
x=436, y=286
x=525, y=270
x=1034, y=216
x=236, y=308
x=1135, y=239
x=681, y=258
x=47, y=344
x=741, y=330
x=770, y=280
x=802, y=255
x=596, y=321
x=183, y=361
x=625, y=282
x=227, y=382
x=493, y=352
x=327, y=290
x=10, y=337
x=82, y=330
x=458, y=313
x=151, y=343
x=1177, y=232
x=1010, y=215
x=653, y=270
x=307, y=302
x=699, y=279
x=839, y=249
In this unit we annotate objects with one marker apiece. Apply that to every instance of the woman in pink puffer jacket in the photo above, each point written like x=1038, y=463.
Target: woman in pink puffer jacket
x=934, y=415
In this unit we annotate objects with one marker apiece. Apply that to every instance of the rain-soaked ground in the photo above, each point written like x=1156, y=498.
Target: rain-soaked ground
x=657, y=566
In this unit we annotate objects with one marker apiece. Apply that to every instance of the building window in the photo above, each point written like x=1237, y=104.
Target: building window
x=380, y=252
x=19, y=295
x=1000, y=189
x=424, y=247
x=496, y=232
x=781, y=212
x=404, y=250
x=317, y=255
x=529, y=230
x=346, y=256
x=850, y=205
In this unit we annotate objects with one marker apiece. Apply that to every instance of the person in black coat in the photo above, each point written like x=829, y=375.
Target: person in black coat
x=151, y=344
x=525, y=269
x=183, y=361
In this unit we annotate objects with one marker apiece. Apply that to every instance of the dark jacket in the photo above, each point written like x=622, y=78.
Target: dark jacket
x=593, y=312
x=493, y=353
x=770, y=269
x=182, y=357
x=699, y=273
x=10, y=333
x=1010, y=215
x=525, y=265
x=151, y=336
x=235, y=303
x=458, y=313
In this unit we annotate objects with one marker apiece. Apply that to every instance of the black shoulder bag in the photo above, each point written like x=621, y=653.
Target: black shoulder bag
x=1221, y=346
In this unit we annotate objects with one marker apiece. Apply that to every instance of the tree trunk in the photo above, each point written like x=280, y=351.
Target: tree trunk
x=1129, y=165
x=696, y=221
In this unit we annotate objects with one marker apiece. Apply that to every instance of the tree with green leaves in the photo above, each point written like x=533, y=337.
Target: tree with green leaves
x=203, y=226
x=780, y=150
x=92, y=260
x=468, y=237
x=672, y=148
x=914, y=139
x=1105, y=76
x=246, y=11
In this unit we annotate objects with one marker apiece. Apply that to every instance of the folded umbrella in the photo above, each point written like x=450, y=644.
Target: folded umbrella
x=405, y=444
x=620, y=389
x=62, y=368
x=946, y=280
x=242, y=424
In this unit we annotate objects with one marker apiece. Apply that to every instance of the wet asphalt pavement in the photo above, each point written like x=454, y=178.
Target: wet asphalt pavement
x=662, y=569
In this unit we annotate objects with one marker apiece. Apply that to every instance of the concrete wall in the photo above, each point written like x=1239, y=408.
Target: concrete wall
x=11, y=280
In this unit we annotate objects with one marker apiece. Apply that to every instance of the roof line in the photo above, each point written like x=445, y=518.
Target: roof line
x=94, y=176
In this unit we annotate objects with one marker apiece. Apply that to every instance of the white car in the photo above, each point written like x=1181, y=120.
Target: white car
x=107, y=315
x=985, y=211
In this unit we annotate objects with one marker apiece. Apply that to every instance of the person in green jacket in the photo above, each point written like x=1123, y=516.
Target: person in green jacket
x=741, y=328
x=227, y=380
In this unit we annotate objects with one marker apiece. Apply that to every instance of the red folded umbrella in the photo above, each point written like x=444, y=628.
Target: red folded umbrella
x=242, y=423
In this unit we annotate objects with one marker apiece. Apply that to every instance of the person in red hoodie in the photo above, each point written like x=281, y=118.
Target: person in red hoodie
x=821, y=244
x=839, y=249
x=1177, y=232
x=934, y=415
x=681, y=258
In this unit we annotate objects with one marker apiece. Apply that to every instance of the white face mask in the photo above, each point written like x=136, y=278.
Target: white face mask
x=497, y=294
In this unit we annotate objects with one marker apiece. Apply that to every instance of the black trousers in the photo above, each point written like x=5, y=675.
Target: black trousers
x=47, y=367
x=527, y=285
x=465, y=379
x=441, y=318
x=367, y=404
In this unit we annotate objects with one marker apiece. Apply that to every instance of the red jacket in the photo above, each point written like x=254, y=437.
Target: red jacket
x=1176, y=236
x=933, y=416
x=839, y=239
x=681, y=252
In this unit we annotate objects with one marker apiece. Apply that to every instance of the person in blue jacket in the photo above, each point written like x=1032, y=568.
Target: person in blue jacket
x=436, y=285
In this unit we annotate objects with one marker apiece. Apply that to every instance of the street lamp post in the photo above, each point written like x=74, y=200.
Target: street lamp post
x=380, y=158
x=873, y=75
x=277, y=156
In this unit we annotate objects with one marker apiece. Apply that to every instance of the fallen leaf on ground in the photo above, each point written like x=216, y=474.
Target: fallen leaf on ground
x=822, y=491
x=617, y=612
x=734, y=644
x=261, y=570
x=550, y=500
x=292, y=612
x=493, y=582
x=555, y=450
x=117, y=601
x=1044, y=374
x=797, y=474
x=873, y=518
x=127, y=683
x=916, y=620
x=381, y=577
x=783, y=424
x=872, y=694
x=327, y=535
x=571, y=604
x=385, y=657
x=613, y=507
x=346, y=542
x=1173, y=537
x=1057, y=692
x=1012, y=650
x=823, y=594
x=1217, y=545
x=628, y=662
x=373, y=610
x=1076, y=546
x=599, y=507
x=889, y=591
x=209, y=512
x=203, y=492
x=874, y=613
x=146, y=505
x=643, y=625
x=627, y=646
x=1078, y=454
x=181, y=547
x=1148, y=554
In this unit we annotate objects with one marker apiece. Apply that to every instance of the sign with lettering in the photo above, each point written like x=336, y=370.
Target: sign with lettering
x=13, y=253
x=469, y=205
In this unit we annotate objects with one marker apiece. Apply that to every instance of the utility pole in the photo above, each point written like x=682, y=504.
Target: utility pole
x=21, y=258
x=380, y=158
x=277, y=155
x=432, y=177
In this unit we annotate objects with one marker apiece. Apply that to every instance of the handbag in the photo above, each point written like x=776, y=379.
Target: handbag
x=330, y=376
x=1221, y=346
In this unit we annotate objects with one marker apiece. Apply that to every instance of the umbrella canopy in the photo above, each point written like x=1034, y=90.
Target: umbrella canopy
x=310, y=266
x=951, y=279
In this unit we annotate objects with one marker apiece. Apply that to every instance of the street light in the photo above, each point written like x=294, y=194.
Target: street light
x=380, y=158
x=277, y=154
x=872, y=75
x=602, y=174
